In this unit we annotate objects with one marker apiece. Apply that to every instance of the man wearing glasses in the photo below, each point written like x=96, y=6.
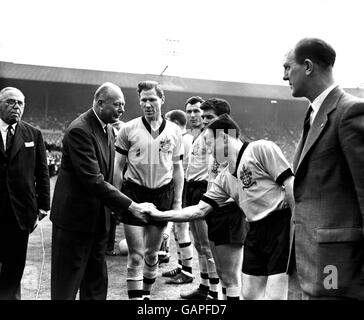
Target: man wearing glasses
x=24, y=189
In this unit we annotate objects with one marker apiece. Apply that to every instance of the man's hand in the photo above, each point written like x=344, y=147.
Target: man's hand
x=41, y=214
x=154, y=213
x=140, y=210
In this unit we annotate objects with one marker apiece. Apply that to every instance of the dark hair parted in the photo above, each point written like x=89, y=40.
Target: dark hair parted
x=317, y=50
x=219, y=106
x=177, y=116
x=149, y=85
x=224, y=123
x=194, y=100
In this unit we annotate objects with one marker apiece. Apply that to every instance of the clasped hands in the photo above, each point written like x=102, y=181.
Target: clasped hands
x=144, y=211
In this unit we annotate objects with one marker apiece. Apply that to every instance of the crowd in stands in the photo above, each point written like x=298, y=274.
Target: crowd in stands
x=285, y=135
x=48, y=122
x=52, y=131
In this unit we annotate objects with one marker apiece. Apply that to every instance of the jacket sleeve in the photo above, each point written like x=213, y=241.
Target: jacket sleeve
x=83, y=156
x=351, y=135
x=42, y=174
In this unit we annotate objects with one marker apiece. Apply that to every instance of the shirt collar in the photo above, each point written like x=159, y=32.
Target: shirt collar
x=316, y=104
x=103, y=124
x=4, y=126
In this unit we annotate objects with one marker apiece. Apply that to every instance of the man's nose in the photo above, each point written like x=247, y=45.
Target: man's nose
x=285, y=76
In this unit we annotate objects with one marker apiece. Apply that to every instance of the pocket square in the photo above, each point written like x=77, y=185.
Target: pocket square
x=29, y=144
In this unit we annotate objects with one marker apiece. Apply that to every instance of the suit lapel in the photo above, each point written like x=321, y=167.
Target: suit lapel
x=19, y=139
x=111, y=143
x=100, y=138
x=298, y=152
x=2, y=148
x=318, y=125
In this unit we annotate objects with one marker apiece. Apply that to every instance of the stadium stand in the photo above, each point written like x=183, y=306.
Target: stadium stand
x=55, y=96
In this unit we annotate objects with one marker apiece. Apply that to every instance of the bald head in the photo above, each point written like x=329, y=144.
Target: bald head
x=105, y=90
x=109, y=102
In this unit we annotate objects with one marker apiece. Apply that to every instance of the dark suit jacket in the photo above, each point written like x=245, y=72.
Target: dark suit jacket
x=24, y=175
x=329, y=195
x=84, y=185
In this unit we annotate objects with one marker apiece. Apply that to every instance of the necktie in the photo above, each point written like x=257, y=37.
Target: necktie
x=106, y=132
x=9, y=138
x=306, y=125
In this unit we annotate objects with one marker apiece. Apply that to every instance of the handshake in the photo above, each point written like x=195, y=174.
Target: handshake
x=144, y=211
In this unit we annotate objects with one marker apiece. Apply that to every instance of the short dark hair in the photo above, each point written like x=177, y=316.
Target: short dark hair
x=317, y=50
x=194, y=100
x=177, y=115
x=219, y=106
x=149, y=85
x=226, y=123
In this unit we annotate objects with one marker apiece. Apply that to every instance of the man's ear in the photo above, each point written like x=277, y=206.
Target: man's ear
x=308, y=66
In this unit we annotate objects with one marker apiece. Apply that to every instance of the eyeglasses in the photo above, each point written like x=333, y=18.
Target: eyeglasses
x=13, y=102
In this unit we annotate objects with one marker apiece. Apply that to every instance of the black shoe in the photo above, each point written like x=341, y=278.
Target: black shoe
x=196, y=294
x=171, y=273
x=180, y=278
x=163, y=259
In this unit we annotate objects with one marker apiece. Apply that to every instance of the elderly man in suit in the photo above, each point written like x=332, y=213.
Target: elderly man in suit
x=24, y=189
x=327, y=244
x=83, y=198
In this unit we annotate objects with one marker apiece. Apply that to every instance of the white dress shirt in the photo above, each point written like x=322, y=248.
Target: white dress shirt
x=103, y=124
x=316, y=104
x=4, y=130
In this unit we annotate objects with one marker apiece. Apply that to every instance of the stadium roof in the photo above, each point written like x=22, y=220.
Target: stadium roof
x=10, y=70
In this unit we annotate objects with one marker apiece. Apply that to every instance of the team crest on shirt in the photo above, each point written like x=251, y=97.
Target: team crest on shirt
x=165, y=145
x=246, y=177
x=198, y=149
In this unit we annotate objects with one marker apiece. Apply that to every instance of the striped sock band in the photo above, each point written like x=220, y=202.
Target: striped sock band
x=204, y=279
x=203, y=287
x=214, y=283
x=233, y=293
x=186, y=256
x=134, y=281
x=223, y=290
x=149, y=275
x=213, y=295
x=187, y=269
x=202, y=261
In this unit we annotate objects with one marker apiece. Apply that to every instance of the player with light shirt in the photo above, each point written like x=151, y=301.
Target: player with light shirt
x=260, y=180
x=154, y=151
